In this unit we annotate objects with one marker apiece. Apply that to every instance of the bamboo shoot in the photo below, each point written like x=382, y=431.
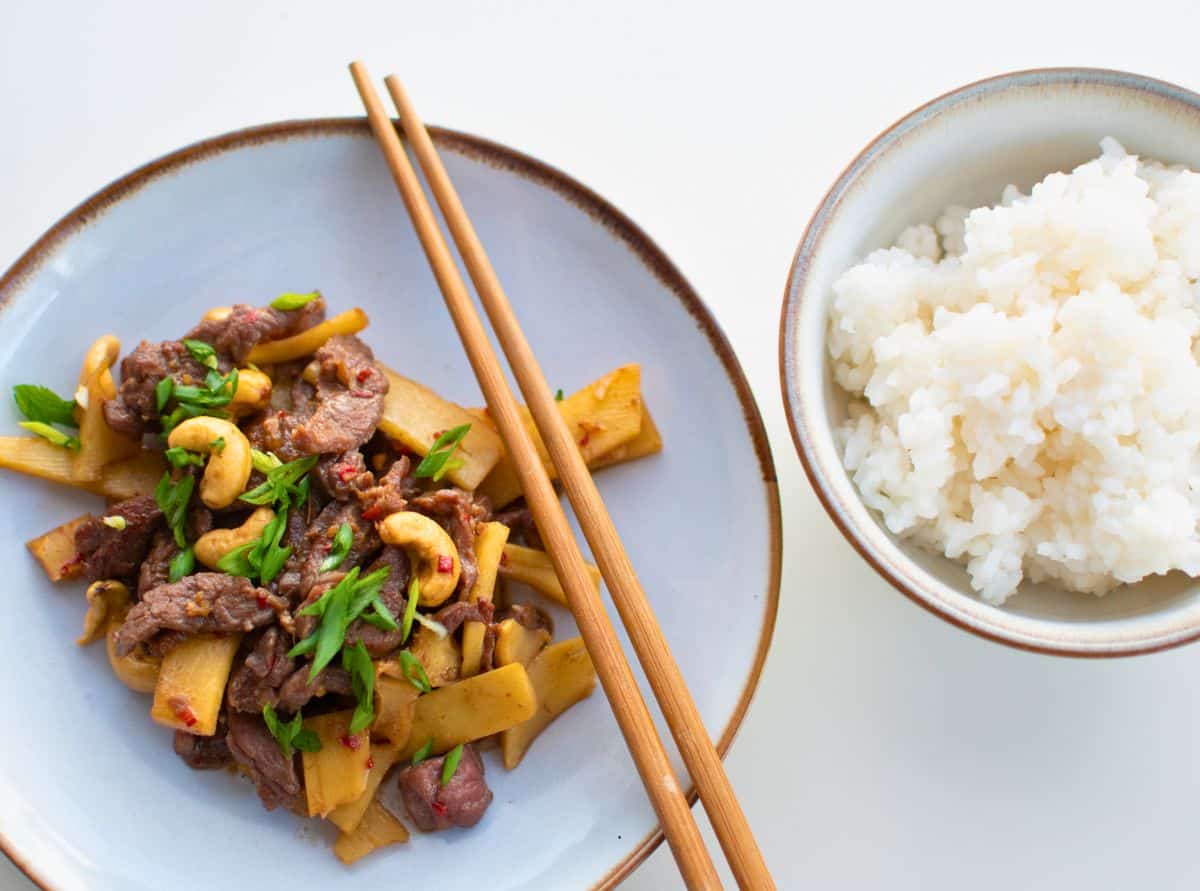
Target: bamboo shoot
x=191, y=683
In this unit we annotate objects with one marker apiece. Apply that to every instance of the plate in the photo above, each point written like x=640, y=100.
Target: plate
x=91, y=794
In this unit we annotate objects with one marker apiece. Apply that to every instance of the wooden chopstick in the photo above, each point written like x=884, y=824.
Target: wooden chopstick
x=699, y=754
x=614, y=672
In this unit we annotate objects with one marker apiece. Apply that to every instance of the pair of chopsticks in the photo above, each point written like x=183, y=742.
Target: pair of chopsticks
x=633, y=717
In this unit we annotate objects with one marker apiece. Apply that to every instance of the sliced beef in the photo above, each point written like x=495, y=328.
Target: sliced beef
x=458, y=511
x=318, y=542
x=528, y=615
x=247, y=326
x=297, y=691
x=134, y=411
x=390, y=495
x=520, y=521
x=256, y=682
x=487, y=650
x=461, y=802
x=205, y=603
x=377, y=641
x=295, y=538
x=259, y=755
x=349, y=399
x=273, y=431
x=156, y=568
x=453, y=616
x=344, y=476
x=109, y=553
x=205, y=752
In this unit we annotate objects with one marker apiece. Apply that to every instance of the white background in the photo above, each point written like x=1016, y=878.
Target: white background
x=885, y=749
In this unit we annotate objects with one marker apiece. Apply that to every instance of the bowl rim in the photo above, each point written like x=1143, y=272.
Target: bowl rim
x=619, y=226
x=973, y=615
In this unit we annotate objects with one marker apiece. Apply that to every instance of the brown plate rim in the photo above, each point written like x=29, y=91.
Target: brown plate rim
x=797, y=272
x=590, y=202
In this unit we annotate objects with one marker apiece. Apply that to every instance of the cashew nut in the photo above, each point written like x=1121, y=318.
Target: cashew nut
x=228, y=468
x=428, y=546
x=212, y=546
x=108, y=604
x=253, y=392
x=218, y=314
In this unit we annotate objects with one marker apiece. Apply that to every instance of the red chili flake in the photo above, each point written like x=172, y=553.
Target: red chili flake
x=370, y=763
x=374, y=512
x=347, y=472
x=262, y=600
x=185, y=714
x=353, y=743
x=503, y=559
x=445, y=563
x=252, y=316
x=440, y=809
x=68, y=568
x=363, y=375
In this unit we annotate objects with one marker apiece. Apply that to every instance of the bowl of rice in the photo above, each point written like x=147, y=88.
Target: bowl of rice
x=990, y=358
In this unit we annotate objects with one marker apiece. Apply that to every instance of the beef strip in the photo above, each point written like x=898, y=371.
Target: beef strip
x=257, y=752
x=319, y=541
x=134, y=411
x=528, y=615
x=272, y=431
x=344, y=476
x=246, y=326
x=377, y=641
x=109, y=553
x=350, y=392
x=520, y=521
x=204, y=603
x=390, y=495
x=204, y=752
x=452, y=616
x=461, y=802
x=256, y=682
x=156, y=568
x=487, y=649
x=459, y=511
x=297, y=690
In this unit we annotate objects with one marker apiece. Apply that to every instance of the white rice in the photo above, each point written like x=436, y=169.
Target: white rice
x=1024, y=379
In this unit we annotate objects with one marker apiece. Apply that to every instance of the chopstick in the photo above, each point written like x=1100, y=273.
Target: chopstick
x=699, y=754
x=629, y=709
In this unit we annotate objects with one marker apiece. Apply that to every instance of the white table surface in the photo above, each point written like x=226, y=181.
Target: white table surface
x=885, y=749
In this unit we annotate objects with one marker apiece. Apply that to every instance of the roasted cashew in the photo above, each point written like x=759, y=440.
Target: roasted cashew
x=100, y=356
x=108, y=603
x=228, y=469
x=218, y=314
x=427, y=545
x=253, y=392
x=212, y=546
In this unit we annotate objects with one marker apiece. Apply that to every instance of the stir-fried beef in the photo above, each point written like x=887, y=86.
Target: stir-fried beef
x=109, y=553
x=204, y=603
x=256, y=682
x=156, y=568
x=487, y=649
x=204, y=752
x=520, y=521
x=350, y=391
x=459, y=511
x=135, y=409
x=528, y=615
x=257, y=752
x=377, y=641
x=298, y=690
x=272, y=431
x=344, y=476
x=390, y=495
x=453, y=616
x=247, y=326
x=318, y=541
x=461, y=802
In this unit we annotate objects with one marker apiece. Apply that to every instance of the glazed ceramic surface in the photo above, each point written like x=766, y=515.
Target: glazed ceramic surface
x=963, y=148
x=91, y=794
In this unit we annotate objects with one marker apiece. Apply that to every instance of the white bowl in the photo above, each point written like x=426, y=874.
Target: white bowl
x=91, y=794
x=963, y=148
